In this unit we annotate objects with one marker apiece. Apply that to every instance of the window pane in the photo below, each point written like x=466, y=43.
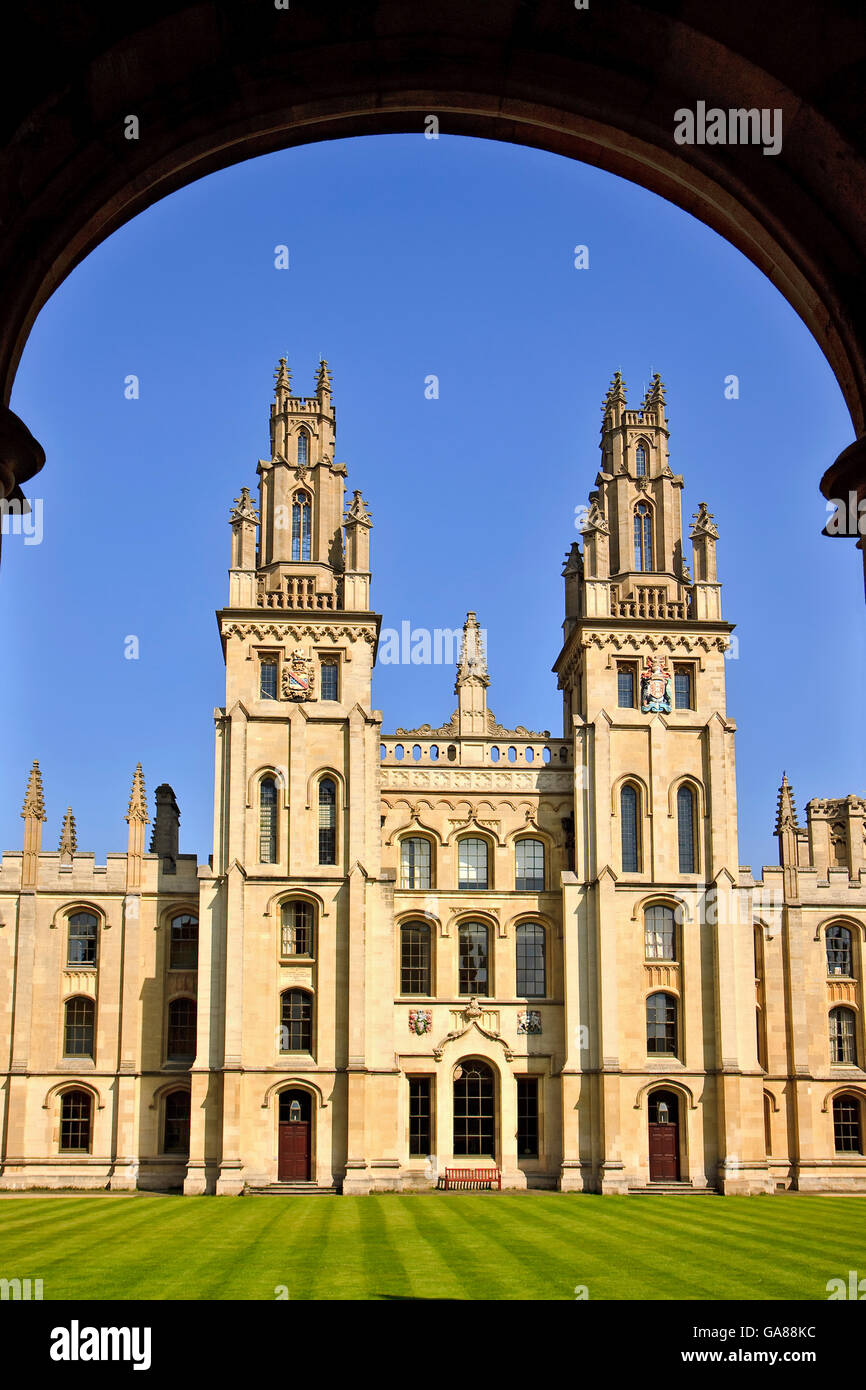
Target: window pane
x=686, y=830
x=628, y=818
x=682, y=688
x=661, y=1024
x=176, y=1128
x=78, y=1027
x=842, y=1038
x=303, y=447
x=296, y=929
x=75, y=1113
x=81, y=943
x=527, y=1117
x=268, y=821
x=659, y=931
x=640, y=461
x=329, y=680
x=183, y=951
x=327, y=821
x=529, y=856
x=839, y=954
x=419, y=1116
x=296, y=1021
x=846, y=1125
x=472, y=864
x=301, y=526
x=530, y=960
x=181, y=1030
x=268, y=680
x=474, y=1101
x=473, y=959
x=415, y=958
x=625, y=687
x=415, y=863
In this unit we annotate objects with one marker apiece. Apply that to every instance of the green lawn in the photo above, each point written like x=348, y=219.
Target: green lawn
x=535, y=1245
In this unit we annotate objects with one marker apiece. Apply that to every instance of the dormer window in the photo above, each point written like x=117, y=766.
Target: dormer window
x=301, y=526
x=643, y=537
x=640, y=461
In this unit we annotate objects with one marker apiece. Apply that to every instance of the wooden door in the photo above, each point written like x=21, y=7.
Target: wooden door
x=294, y=1137
x=664, y=1138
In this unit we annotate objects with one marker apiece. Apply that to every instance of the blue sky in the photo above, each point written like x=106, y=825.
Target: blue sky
x=410, y=257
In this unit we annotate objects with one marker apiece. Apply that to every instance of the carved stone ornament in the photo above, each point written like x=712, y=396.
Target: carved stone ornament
x=420, y=1021
x=471, y=1015
x=655, y=686
x=298, y=676
x=529, y=1021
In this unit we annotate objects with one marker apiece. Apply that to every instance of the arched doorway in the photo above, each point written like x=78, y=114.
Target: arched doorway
x=295, y=1147
x=664, y=1137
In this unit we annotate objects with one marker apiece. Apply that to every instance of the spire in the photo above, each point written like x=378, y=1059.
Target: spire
x=138, y=799
x=323, y=379
x=34, y=801
x=68, y=837
x=473, y=659
x=786, y=815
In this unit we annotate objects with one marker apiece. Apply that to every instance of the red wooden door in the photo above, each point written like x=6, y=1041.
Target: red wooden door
x=664, y=1153
x=294, y=1161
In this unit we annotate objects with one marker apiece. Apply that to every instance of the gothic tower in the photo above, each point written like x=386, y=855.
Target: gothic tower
x=659, y=968
x=290, y=905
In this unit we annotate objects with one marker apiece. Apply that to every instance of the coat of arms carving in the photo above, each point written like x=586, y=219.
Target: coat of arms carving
x=420, y=1021
x=655, y=687
x=529, y=1021
x=298, y=676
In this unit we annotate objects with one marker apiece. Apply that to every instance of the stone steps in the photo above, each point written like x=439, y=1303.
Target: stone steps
x=672, y=1189
x=290, y=1189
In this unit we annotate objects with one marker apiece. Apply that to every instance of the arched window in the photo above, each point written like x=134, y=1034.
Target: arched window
x=79, y=1015
x=76, y=1118
x=629, y=832
x=643, y=537
x=327, y=821
x=839, y=954
x=843, y=1040
x=474, y=1110
x=296, y=1021
x=175, y=1124
x=301, y=526
x=640, y=461
x=183, y=949
x=415, y=958
x=415, y=862
x=529, y=866
x=267, y=821
x=661, y=1024
x=686, y=829
x=296, y=928
x=660, y=934
x=81, y=941
x=180, y=1042
x=303, y=448
x=474, y=959
x=472, y=863
x=847, y=1128
x=531, y=983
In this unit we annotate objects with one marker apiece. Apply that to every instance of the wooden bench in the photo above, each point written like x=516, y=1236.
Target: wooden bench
x=472, y=1177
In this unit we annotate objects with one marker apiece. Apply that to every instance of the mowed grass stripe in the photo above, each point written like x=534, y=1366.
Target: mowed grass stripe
x=505, y=1223
x=426, y=1258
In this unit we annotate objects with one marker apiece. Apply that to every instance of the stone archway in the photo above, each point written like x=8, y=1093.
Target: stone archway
x=203, y=86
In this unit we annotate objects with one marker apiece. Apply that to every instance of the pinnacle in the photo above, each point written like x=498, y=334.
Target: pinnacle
x=786, y=814
x=282, y=377
x=68, y=835
x=138, y=798
x=34, y=801
x=323, y=378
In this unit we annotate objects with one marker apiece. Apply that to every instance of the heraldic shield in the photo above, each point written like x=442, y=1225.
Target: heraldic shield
x=655, y=687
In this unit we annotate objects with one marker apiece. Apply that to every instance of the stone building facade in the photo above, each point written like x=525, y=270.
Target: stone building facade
x=452, y=946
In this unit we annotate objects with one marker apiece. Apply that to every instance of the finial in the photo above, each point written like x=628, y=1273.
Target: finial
x=244, y=508
x=703, y=523
x=138, y=798
x=68, y=836
x=786, y=815
x=357, y=511
x=34, y=801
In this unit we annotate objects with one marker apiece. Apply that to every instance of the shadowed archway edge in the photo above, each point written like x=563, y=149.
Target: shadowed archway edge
x=210, y=85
